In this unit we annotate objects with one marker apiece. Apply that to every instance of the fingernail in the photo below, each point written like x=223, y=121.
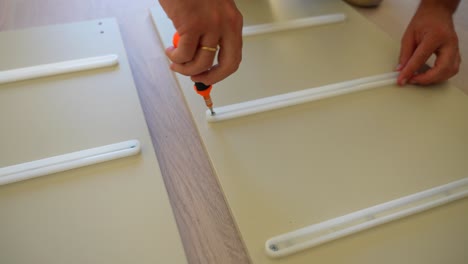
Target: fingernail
x=398, y=67
x=169, y=49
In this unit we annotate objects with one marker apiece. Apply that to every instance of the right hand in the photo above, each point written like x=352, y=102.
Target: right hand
x=209, y=23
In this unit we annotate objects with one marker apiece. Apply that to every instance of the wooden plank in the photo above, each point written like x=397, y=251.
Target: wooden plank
x=112, y=212
x=204, y=221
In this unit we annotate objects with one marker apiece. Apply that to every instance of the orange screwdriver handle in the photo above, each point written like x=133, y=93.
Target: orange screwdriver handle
x=175, y=39
x=201, y=88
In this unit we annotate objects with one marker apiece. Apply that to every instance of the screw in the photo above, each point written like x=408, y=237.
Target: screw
x=274, y=247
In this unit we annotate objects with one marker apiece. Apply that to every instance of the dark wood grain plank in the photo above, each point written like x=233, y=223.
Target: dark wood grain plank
x=203, y=218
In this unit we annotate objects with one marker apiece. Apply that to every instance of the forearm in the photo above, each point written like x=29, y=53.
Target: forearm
x=449, y=5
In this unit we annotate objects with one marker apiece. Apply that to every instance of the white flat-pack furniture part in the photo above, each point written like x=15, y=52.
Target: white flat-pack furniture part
x=300, y=97
x=51, y=69
x=292, y=24
x=34, y=169
x=336, y=228
x=111, y=212
x=287, y=169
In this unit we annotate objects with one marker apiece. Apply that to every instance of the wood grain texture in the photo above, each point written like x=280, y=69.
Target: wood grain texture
x=208, y=232
x=121, y=211
x=206, y=226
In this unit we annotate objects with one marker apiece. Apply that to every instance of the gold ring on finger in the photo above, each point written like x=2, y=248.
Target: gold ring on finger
x=209, y=48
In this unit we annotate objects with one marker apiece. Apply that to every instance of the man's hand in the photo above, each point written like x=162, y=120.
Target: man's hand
x=431, y=31
x=205, y=23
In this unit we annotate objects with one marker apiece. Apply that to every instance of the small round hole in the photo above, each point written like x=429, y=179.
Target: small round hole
x=100, y=23
x=102, y=32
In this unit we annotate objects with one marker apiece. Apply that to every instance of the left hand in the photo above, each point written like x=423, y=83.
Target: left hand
x=431, y=31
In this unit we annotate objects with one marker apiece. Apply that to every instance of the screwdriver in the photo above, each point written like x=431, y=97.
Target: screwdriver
x=201, y=88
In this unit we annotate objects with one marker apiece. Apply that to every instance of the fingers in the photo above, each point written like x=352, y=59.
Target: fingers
x=408, y=45
x=186, y=48
x=447, y=65
x=431, y=31
x=417, y=59
x=229, y=58
x=202, y=60
x=205, y=23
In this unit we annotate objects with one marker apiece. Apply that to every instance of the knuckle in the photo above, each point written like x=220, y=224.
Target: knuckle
x=238, y=61
x=441, y=33
x=456, y=69
x=215, y=19
x=427, y=79
x=233, y=65
x=445, y=34
x=440, y=30
x=234, y=20
x=454, y=38
x=232, y=69
x=196, y=24
x=451, y=40
x=445, y=72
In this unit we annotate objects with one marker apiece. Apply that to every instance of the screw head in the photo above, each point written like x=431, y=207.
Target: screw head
x=274, y=247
